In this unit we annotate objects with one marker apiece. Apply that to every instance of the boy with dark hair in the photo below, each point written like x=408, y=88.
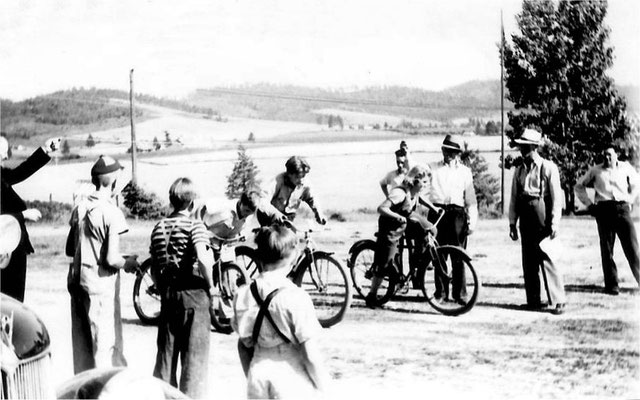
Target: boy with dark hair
x=94, y=275
x=227, y=219
x=286, y=192
x=279, y=354
x=182, y=265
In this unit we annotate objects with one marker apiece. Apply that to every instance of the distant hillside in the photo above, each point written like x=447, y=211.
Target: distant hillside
x=287, y=102
x=75, y=111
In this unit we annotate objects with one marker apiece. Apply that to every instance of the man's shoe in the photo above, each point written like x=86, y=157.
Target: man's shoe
x=461, y=301
x=558, y=309
x=532, y=307
x=611, y=291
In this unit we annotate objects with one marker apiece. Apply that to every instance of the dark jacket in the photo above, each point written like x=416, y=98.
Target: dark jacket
x=10, y=201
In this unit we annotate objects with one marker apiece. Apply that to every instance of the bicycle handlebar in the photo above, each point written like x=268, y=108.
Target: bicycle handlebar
x=237, y=239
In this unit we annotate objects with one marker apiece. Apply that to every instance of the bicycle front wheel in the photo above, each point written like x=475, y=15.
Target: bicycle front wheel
x=450, y=283
x=246, y=258
x=362, y=270
x=326, y=281
x=146, y=296
x=232, y=276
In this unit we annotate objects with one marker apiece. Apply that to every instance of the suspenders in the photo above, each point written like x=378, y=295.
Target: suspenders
x=264, y=311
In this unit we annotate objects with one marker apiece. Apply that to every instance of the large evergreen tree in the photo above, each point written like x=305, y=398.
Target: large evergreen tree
x=556, y=76
x=243, y=176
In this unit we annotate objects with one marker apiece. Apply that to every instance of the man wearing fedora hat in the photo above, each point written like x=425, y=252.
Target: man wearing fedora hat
x=452, y=189
x=536, y=203
x=13, y=277
x=94, y=279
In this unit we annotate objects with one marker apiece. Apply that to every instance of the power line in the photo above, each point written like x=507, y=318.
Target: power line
x=337, y=100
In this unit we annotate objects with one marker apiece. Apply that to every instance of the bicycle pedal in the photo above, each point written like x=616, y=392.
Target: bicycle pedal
x=368, y=274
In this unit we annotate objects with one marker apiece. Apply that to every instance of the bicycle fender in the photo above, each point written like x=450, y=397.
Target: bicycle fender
x=463, y=253
x=359, y=244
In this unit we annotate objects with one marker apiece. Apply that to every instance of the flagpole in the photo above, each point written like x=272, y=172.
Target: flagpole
x=501, y=114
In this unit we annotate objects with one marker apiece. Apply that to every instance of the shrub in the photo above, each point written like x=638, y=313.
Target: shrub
x=142, y=204
x=52, y=211
x=486, y=185
x=337, y=216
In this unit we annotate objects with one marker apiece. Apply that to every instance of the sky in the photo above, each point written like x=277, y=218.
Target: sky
x=175, y=47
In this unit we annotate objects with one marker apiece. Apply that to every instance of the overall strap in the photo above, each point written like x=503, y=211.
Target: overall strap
x=167, y=239
x=264, y=311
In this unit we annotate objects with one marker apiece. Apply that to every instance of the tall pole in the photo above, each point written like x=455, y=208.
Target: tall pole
x=133, y=130
x=501, y=114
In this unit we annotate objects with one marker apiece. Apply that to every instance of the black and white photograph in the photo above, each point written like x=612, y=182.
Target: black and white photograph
x=354, y=199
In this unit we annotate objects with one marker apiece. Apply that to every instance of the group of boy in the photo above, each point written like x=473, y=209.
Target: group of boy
x=182, y=269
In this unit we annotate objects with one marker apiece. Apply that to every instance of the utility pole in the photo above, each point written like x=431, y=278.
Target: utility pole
x=133, y=130
x=501, y=114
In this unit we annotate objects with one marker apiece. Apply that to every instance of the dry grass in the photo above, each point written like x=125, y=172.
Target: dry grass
x=407, y=349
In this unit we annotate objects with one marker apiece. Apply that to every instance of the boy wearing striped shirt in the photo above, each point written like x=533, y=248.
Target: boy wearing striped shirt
x=182, y=263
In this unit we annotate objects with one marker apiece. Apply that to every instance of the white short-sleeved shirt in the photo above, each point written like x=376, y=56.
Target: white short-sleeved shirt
x=101, y=218
x=292, y=310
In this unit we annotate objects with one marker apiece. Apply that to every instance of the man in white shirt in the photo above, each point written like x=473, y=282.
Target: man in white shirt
x=394, y=178
x=452, y=189
x=536, y=203
x=616, y=188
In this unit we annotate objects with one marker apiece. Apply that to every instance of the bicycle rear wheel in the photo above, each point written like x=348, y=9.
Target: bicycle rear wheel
x=246, y=258
x=362, y=270
x=451, y=284
x=326, y=281
x=146, y=296
x=232, y=277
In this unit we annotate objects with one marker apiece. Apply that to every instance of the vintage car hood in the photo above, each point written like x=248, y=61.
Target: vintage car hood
x=22, y=330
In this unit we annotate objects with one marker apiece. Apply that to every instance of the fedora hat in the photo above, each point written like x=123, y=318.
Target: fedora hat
x=529, y=136
x=452, y=142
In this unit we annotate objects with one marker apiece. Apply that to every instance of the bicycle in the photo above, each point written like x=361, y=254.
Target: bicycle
x=433, y=276
x=317, y=272
x=227, y=277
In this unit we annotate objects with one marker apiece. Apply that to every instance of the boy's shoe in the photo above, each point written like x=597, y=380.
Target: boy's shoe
x=402, y=288
x=558, y=309
x=370, y=301
x=368, y=274
x=532, y=307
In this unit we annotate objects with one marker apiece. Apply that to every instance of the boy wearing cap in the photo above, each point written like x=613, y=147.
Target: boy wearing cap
x=285, y=194
x=94, y=274
x=452, y=189
x=13, y=277
x=536, y=202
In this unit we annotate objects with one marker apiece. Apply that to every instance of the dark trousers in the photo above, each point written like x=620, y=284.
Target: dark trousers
x=453, y=229
x=13, y=277
x=538, y=269
x=389, y=234
x=613, y=218
x=183, y=334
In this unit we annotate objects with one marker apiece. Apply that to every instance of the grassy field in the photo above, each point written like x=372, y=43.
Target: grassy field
x=406, y=348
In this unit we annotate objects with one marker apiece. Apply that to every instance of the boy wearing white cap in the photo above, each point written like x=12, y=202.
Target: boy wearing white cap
x=536, y=202
x=94, y=274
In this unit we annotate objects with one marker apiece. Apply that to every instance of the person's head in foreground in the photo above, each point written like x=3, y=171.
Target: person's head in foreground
x=528, y=142
x=105, y=173
x=248, y=203
x=417, y=178
x=276, y=246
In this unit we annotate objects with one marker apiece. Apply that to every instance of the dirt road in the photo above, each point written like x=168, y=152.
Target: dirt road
x=407, y=349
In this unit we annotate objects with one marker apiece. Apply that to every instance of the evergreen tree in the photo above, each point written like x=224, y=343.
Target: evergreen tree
x=90, y=141
x=66, y=149
x=556, y=76
x=243, y=176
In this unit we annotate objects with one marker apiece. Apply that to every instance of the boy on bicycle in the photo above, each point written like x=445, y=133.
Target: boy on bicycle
x=225, y=220
x=286, y=192
x=182, y=264
x=398, y=217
